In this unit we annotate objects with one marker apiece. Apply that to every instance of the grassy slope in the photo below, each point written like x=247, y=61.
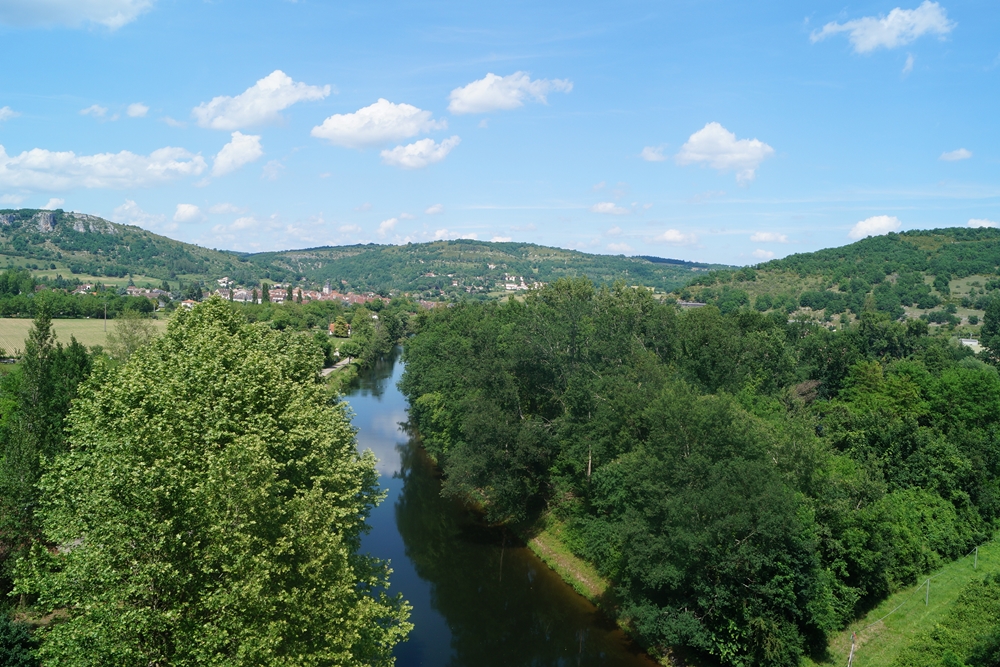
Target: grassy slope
x=882, y=635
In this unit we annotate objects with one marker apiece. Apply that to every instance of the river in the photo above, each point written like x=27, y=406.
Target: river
x=478, y=599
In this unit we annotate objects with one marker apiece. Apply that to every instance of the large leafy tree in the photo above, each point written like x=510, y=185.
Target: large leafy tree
x=210, y=510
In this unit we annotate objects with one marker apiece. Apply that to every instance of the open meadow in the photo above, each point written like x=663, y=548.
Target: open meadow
x=13, y=331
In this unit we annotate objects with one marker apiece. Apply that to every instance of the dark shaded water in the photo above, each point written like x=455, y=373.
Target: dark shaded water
x=478, y=601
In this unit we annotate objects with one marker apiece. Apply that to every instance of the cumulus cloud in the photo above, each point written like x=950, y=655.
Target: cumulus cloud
x=14, y=200
x=608, y=208
x=614, y=231
x=875, y=226
x=258, y=104
x=501, y=239
x=110, y=13
x=187, y=213
x=419, y=154
x=719, y=148
x=137, y=110
x=272, y=170
x=434, y=209
x=620, y=248
x=493, y=93
x=40, y=169
x=899, y=28
x=377, y=124
x=387, y=226
x=53, y=204
x=367, y=206
x=131, y=213
x=243, y=149
x=763, y=254
x=768, y=237
x=225, y=207
x=908, y=66
x=982, y=222
x=6, y=113
x=956, y=155
x=349, y=229
x=95, y=110
x=676, y=237
x=653, y=154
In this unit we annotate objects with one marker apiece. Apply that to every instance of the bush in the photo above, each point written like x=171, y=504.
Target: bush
x=17, y=646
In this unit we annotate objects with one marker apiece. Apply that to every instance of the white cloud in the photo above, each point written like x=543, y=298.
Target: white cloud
x=875, y=226
x=609, y=208
x=12, y=199
x=899, y=28
x=908, y=67
x=614, y=231
x=492, y=92
x=130, y=213
x=983, y=222
x=225, y=207
x=173, y=123
x=40, y=169
x=440, y=234
x=258, y=104
x=720, y=149
x=187, y=213
x=407, y=216
x=6, y=113
x=349, y=229
x=598, y=186
x=768, y=237
x=244, y=223
x=364, y=207
x=272, y=170
x=387, y=226
x=956, y=155
x=620, y=248
x=419, y=154
x=95, y=110
x=53, y=204
x=484, y=123
x=652, y=154
x=675, y=237
x=501, y=239
x=137, y=110
x=377, y=124
x=110, y=13
x=435, y=209
x=763, y=254
x=243, y=149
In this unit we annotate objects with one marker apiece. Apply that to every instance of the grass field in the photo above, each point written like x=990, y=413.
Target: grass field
x=885, y=631
x=89, y=332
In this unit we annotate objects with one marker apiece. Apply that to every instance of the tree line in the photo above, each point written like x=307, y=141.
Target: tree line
x=748, y=484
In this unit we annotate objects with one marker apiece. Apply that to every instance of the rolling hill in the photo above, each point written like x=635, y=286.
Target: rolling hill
x=87, y=245
x=942, y=275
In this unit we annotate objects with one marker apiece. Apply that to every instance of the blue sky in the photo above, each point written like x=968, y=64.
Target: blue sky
x=725, y=132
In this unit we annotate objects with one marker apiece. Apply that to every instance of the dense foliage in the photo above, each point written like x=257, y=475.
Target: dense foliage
x=747, y=483
x=209, y=511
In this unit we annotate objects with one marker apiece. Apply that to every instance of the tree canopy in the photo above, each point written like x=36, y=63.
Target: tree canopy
x=209, y=511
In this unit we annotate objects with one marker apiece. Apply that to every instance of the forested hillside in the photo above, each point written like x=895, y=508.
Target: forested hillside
x=467, y=267
x=945, y=276
x=78, y=244
x=748, y=484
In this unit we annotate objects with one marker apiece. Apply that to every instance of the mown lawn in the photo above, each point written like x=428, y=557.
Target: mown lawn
x=884, y=633
x=89, y=332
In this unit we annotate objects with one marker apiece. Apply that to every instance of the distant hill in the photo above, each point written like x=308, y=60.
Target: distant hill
x=87, y=245
x=945, y=275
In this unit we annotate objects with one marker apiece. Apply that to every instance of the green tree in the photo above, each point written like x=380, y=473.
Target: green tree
x=210, y=510
x=265, y=293
x=989, y=334
x=131, y=331
x=340, y=329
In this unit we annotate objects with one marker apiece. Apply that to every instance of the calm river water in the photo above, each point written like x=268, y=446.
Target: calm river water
x=478, y=600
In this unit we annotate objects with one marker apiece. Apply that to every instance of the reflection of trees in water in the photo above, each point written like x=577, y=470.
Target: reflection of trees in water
x=502, y=606
x=373, y=380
